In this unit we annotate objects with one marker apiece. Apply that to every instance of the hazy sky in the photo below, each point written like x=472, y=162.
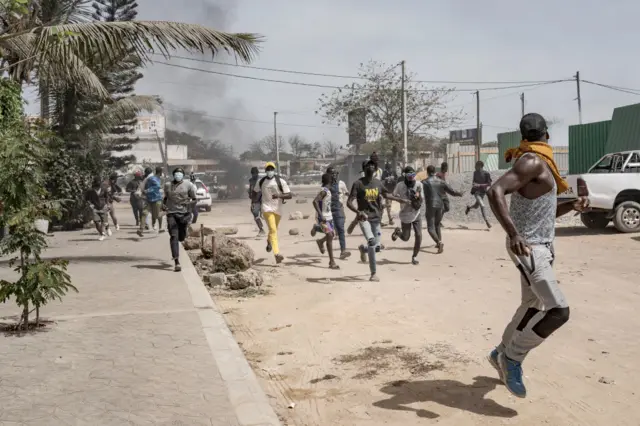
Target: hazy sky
x=490, y=40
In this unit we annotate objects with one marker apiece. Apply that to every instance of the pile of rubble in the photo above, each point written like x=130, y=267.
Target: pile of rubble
x=222, y=260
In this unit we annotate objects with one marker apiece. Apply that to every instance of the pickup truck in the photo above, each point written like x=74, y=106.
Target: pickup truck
x=613, y=188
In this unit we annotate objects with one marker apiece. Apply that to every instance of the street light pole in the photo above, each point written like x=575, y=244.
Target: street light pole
x=275, y=138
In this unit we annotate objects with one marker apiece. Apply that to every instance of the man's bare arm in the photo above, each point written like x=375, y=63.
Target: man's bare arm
x=352, y=199
x=524, y=171
x=389, y=196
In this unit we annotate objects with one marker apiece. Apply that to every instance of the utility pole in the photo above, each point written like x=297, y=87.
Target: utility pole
x=275, y=138
x=404, y=117
x=478, y=126
x=522, y=103
x=579, y=99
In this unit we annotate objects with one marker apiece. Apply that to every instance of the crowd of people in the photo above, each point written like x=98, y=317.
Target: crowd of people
x=528, y=220
x=151, y=198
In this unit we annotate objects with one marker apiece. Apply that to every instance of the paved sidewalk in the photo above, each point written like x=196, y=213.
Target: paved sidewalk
x=139, y=344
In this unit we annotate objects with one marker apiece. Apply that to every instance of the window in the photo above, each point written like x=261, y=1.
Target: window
x=633, y=166
x=611, y=163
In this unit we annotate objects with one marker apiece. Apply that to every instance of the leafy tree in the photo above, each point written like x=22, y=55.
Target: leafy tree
x=120, y=81
x=379, y=93
x=55, y=43
x=24, y=152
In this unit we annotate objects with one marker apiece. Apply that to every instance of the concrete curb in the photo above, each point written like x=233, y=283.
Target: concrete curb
x=247, y=398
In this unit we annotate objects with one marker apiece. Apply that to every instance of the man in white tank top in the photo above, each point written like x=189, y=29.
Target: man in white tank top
x=533, y=183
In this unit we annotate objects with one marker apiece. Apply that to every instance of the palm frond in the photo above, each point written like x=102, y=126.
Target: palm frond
x=114, y=114
x=144, y=37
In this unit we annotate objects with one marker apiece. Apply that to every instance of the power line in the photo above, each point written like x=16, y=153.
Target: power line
x=324, y=86
x=350, y=77
x=244, y=120
x=616, y=88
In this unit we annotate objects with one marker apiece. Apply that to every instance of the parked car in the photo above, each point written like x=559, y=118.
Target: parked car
x=203, y=196
x=613, y=188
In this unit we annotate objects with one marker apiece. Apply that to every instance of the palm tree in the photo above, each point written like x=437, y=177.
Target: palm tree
x=55, y=43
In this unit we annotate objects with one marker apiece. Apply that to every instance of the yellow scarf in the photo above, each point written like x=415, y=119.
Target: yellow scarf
x=545, y=152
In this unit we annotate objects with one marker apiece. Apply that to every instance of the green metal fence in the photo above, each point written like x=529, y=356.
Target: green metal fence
x=506, y=141
x=625, y=129
x=587, y=144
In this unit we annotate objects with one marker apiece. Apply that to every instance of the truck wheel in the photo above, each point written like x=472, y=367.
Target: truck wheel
x=207, y=209
x=627, y=217
x=595, y=220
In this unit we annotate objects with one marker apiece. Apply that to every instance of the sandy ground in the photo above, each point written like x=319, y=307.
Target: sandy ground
x=411, y=349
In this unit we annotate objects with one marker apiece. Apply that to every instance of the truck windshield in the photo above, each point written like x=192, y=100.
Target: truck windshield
x=611, y=163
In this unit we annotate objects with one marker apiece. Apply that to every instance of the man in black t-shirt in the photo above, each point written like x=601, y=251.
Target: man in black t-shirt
x=369, y=192
x=479, y=188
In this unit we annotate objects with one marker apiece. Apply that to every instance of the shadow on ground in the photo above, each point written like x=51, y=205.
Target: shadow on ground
x=164, y=266
x=573, y=231
x=347, y=279
x=450, y=393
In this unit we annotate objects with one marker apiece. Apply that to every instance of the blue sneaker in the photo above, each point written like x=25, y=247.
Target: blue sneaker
x=512, y=375
x=493, y=360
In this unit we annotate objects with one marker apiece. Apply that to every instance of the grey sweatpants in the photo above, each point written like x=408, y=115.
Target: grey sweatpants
x=540, y=292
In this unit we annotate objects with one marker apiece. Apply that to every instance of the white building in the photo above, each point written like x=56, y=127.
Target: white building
x=150, y=129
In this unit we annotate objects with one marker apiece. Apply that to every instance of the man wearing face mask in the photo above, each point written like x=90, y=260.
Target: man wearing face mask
x=273, y=190
x=369, y=192
x=179, y=198
x=339, y=193
x=411, y=191
x=434, y=191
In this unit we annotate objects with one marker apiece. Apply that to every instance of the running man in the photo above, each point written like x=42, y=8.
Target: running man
x=135, y=196
x=322, y=204
x=389, y=179
x=529, y=221
x=144, y=203
x=479, y=188
x=153, y=194
x=179, y=198
x=98, y=199
x=412, y=192
x=442, y=175
x=368, y=192
x=273, y=190
x=114, y=192
x=434, y=191
x=255, y=200
x=339, y=194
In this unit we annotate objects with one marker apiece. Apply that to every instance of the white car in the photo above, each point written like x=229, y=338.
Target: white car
x=613, y=188
x=203, y=196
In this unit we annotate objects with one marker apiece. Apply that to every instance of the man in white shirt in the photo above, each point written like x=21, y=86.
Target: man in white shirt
x=273, y=191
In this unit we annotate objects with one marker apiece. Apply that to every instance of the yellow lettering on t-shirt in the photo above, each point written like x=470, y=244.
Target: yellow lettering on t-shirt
x=371, y=194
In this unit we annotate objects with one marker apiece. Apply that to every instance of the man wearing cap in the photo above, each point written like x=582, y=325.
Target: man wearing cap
x=179, y=198
x=534, y=183
x=273, y=191
x=434, y=191
x=411, y=191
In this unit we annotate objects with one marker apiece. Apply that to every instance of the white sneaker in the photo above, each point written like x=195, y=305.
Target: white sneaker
x=109, y=233
x=101, y=238
x=117, y=227
x=154, y=228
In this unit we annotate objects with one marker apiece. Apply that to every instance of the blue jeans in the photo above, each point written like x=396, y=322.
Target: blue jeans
x=338, y=222
x=371, y=232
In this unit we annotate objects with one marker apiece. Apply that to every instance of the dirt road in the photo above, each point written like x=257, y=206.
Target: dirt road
x=411, y=349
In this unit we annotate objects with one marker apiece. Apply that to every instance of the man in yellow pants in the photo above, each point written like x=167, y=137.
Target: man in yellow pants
x=273, y=191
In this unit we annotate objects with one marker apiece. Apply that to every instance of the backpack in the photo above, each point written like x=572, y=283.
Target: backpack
x=278, y=182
